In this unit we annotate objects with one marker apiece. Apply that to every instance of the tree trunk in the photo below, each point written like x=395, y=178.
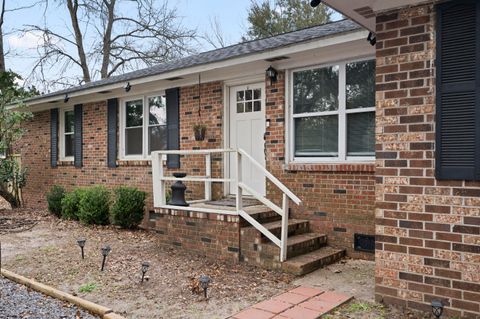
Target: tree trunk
x=72, y=9
x=2, y=54
x=107, y=37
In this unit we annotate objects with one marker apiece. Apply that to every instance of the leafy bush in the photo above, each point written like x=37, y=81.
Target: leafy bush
x=54, y=199
x=86, y=288
x=128, y=208
x=71, y=203
x=93, y=206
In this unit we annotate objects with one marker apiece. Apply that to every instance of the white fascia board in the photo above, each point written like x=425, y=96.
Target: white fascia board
x=292, y=49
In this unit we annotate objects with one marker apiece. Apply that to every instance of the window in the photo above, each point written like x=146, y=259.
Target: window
x=457, y=148
x=143, y=126
x=249, y=101
x=333, y=112
x=67, y=134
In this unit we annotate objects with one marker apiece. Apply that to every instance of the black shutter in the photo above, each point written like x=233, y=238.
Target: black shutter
x=53, y=137
x=78, y=135
x=173, y=126
x=112, y=105
x=458, y=90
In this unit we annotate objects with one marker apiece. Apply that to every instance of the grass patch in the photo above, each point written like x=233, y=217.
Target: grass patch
x=86, y=288
x=19, y=258
x=359, y=307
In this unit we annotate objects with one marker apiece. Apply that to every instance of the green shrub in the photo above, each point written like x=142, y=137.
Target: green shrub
x=93, y=207
x=71, y=203
x=128, y=207
x=54, y=199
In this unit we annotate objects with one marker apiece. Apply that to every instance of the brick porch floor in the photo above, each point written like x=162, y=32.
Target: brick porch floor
x=298, y=303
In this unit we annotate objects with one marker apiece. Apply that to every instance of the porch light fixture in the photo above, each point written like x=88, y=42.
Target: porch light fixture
x=145, y=266
x=204, y=282
x=315, y=3
x=81, y=244
x=66, y=98
x=372, y=38
x=128, y=87
x=437, y=308
x=105, y=251
x=271, y=74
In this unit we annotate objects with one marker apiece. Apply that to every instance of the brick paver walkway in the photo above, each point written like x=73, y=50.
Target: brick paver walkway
x=298, y=303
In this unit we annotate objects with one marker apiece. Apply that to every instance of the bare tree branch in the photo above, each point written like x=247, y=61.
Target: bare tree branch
x=2, y=53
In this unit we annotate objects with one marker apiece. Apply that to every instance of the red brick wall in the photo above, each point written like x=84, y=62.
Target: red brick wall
x=35, y=149
x=212, y=235
x=337, y=199
x=428, y=243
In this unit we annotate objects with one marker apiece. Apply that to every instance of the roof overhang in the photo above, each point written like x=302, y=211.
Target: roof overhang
x=222, y=70
x=364, y=11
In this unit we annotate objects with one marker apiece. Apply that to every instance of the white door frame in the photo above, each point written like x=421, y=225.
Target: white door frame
x=228, y=85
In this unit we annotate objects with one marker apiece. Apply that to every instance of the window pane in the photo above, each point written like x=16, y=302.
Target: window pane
x=316, y=136
x=248, y=107
x=69, y=144
x=361, y=134
x=248, y=95
x=157, y=113
x=133, y=141
x=157, y=136
x=69, y=122
x=257, y=94
x=360, y=87
x=315, y=90
x=257, y=106
x=239, y=107
x=240, y=95
x=134, y=113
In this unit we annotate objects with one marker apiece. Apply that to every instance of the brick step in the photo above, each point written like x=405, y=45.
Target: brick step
x=314, y=260
x=295, y=227
x=298, y=245
x=260, y=213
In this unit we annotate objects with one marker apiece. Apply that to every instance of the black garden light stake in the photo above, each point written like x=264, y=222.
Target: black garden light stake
x=105, y=251
x=437, y=308
x=145, y=266
x=204, y=282
x=81, y=243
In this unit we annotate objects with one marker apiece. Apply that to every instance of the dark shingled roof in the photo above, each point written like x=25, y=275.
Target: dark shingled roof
x=222, y=54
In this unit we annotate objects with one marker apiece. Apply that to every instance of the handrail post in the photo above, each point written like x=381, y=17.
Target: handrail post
x=157, y=183
x=284, y=230
x=238, y=197
x=208, y=174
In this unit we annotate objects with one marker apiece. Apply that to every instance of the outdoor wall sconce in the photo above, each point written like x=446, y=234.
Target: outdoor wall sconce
x=128, y=87
x=372, y=38
x=437, y=308
x=81, y=244
x=271, y=74
x=66, y=98
x=105, y=251
x=315, y=3
x=145, y=266
x=204, y=282
x=178, y=191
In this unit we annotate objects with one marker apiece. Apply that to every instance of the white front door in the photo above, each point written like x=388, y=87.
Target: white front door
x=247, y=129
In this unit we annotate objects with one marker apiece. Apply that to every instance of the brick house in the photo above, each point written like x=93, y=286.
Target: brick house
x=345, y=129
x=427, y=169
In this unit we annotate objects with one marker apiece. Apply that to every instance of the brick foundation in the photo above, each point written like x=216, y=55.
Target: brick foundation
x=213, y=235
x=427, y=230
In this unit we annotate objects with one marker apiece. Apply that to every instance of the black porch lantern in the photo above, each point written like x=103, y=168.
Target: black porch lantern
x=315, y=3
x=81, y=243
x=145, y=266
x=178, y=191
x=105, y=251
x=437, y=308
x=204, y=282
x=272, y=74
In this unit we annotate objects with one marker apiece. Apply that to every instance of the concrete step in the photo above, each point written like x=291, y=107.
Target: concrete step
x=314, y=260
x=300, y=244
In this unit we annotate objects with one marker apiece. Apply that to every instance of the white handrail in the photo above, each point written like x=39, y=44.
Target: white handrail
x=272, y=178
x=159, y=190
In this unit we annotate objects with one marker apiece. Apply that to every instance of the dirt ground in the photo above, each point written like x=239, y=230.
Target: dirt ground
x=40, y=246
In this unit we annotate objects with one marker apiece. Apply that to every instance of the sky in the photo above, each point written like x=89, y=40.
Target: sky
x=195, y=14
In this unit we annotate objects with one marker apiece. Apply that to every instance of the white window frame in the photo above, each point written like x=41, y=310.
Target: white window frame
x=62, y=134
x=145, y=125
x=342, y=113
